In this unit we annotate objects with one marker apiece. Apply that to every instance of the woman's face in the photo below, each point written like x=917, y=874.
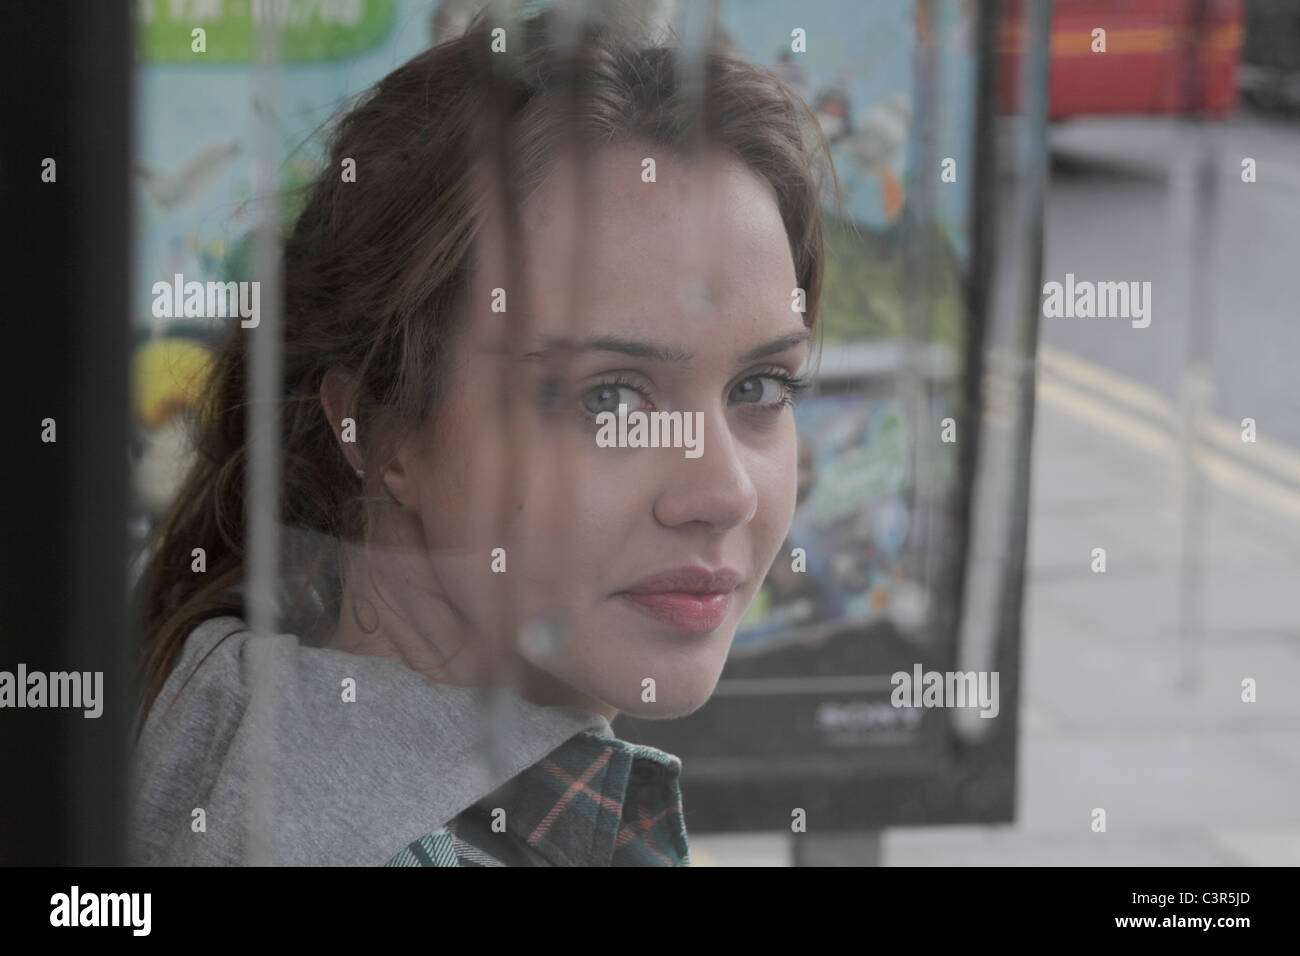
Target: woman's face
x=667, y=296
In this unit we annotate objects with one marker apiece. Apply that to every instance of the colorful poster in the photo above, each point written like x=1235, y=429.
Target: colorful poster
x=196, y=111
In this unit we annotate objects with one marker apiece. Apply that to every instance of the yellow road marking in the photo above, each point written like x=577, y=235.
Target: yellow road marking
x=1235, y=476
x=1274, y=455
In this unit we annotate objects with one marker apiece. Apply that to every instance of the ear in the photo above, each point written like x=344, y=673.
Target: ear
x=338, y=398
x=400, y=473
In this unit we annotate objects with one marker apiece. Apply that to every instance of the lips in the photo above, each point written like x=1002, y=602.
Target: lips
x=690, y=599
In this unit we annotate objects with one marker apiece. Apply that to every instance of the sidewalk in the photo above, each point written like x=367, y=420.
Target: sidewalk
x=1119, y=711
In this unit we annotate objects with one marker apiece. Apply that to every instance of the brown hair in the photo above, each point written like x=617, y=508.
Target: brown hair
x=375, y=272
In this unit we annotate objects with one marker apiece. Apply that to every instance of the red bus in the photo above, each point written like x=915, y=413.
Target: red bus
x=1155, y=56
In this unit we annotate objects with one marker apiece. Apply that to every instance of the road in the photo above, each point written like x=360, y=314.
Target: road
x=1112, y=214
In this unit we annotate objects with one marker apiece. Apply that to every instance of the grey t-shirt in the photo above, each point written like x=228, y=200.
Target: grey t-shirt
x=341, y=782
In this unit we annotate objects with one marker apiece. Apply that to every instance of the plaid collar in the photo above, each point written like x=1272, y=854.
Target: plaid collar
x=595, y=800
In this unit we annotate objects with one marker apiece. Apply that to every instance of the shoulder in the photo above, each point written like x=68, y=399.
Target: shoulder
x=366, y=754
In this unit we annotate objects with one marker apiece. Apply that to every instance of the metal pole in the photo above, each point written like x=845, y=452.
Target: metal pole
x=265, y=372
x=1195, y=198
x=1000, y=498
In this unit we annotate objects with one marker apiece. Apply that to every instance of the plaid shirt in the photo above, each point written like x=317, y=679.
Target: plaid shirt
x=593, y=801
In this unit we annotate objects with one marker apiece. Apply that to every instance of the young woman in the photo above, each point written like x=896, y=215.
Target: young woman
x=481, y=569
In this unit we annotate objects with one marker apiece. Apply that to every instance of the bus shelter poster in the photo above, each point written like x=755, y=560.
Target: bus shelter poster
x=803, y=704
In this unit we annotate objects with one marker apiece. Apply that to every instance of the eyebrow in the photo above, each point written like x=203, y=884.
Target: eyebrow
x=655, y=352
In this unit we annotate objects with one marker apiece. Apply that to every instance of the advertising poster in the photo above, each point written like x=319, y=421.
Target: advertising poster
x=802, y=715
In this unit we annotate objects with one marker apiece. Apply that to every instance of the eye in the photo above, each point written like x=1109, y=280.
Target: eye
x=607, y=396
x=769, y=390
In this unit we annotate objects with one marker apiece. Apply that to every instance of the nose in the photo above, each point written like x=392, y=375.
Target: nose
x=715, y=491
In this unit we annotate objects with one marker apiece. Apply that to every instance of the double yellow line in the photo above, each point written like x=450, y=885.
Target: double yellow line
x=1265, y=471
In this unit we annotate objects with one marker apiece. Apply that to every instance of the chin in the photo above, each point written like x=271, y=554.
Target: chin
x=685, y=670
x=675, y=696
x=663, y=709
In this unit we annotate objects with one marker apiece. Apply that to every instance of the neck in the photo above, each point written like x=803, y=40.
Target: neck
x=421, y=629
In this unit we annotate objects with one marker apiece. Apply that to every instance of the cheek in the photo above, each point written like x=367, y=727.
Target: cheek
x=461, y=485
x=580, y=503
x=464, y=470
x=776, y=480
